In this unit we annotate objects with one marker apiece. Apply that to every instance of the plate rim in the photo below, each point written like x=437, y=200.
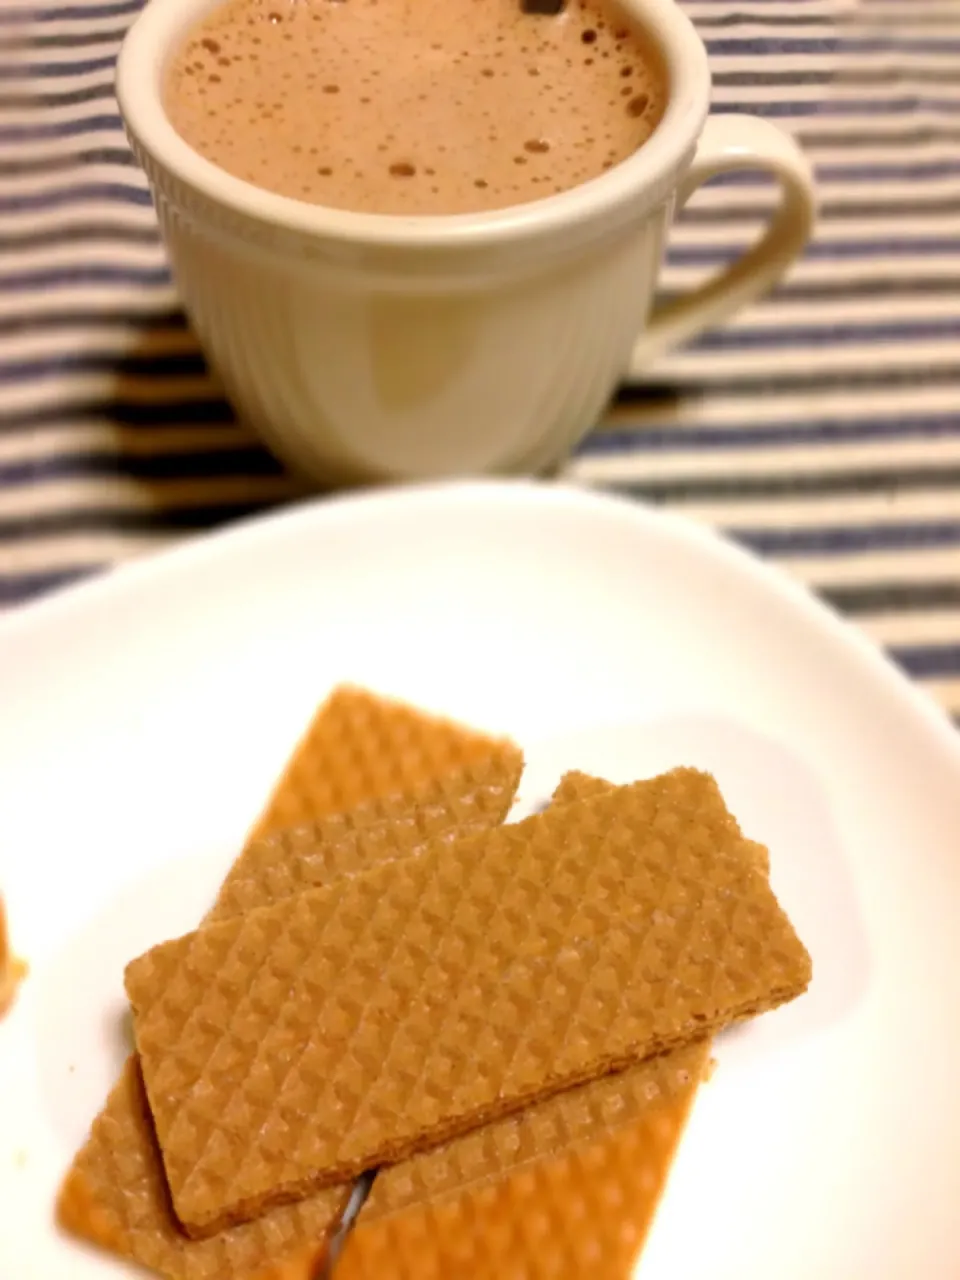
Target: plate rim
x=317, y=511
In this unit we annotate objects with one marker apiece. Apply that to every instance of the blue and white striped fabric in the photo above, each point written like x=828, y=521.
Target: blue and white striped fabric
x=822, y=428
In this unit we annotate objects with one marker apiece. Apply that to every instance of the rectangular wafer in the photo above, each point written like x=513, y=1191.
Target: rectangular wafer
x=581, y=1208
x=357, y=747
x=587, y=937
x=579, y=1116
x=563, y=1189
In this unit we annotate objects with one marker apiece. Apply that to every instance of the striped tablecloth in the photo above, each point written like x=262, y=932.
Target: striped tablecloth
x=821, y=429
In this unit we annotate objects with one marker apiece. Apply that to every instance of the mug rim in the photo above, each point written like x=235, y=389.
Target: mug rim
x=631, y=187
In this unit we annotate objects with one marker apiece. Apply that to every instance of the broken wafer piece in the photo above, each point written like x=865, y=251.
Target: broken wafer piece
x=331, y=1033
x=115, y=1192
x=12, y=970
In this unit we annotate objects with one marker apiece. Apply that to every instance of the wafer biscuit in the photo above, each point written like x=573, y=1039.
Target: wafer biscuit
x=361, y=746
x=594, y=1163
x=544, y=1130
x=115, y=1193
x=579, y=1115
x=572, y=944
x=582, y=1211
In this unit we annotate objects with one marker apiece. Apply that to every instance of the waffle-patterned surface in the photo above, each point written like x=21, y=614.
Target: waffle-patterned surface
x=578, y=1117
x=543, y=1130
x=582, y=1213
x=575, y=785
x=583, y=939
x=477, y=796
x=604, y=1151
x=361, y=746
x=115, y=1193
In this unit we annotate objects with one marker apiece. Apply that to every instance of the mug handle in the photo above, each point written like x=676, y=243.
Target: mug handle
x=730, y=142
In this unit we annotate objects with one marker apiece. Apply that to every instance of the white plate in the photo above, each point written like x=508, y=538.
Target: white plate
x=144, y=716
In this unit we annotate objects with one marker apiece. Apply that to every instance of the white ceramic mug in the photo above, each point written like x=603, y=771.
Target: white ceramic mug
x=367, y=347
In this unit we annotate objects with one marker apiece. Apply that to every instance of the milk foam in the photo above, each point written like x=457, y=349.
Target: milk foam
x=414, y=106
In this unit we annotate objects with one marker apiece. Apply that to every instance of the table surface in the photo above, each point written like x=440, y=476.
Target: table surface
x=820, y=429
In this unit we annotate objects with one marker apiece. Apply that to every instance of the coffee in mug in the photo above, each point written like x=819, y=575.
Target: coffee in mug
x=415, y=106
x=463, y=290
